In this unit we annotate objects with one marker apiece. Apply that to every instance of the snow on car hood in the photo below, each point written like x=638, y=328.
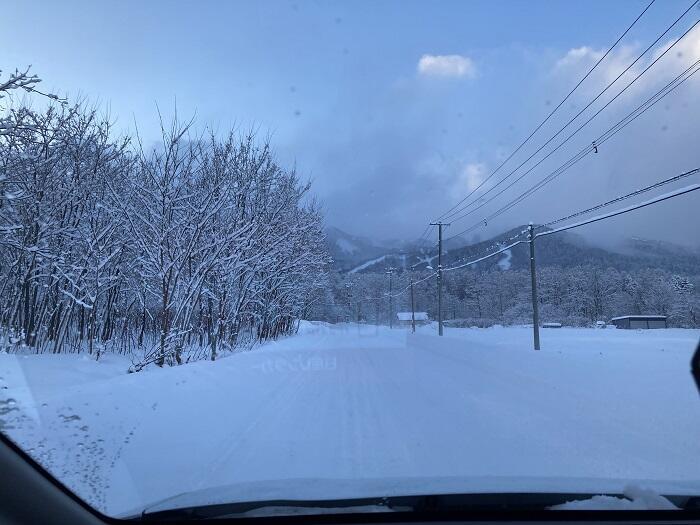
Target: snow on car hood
x=330, y=489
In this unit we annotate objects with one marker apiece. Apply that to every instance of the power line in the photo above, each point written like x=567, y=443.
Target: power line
x=553, y=175
x=531, y=237
x=498, y=244
x=619, y=126
x=640, y=110
x=659, y=198
x=596, y=143
x=425, y=232
x=546, y=119
x=622, y=198
x=639, y=57
x=602, y=139
x=633, y=207
x=405, y=289
x=487, y=255
x=440, y=225
x=611, y=132
x=470, y=263
x=400, y=292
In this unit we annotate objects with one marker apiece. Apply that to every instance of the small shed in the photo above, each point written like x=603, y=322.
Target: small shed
x=551, y=325
x=639, y=321
x=404, y=318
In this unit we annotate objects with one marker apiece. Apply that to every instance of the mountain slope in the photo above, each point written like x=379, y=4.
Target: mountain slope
x=350, y=250
x=356, y=254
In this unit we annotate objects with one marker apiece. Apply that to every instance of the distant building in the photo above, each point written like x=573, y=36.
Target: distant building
x=404, y=318
x=639, y=321
x=551, y=325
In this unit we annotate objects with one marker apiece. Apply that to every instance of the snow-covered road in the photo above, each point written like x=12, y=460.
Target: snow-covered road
x=475, y=410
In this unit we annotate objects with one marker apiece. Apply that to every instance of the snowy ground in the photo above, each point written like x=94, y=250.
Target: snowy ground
x=343, y=411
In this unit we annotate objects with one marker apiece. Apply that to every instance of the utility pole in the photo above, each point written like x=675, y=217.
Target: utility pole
x=348, y=289
x=439, y=275
x=390, y=272
x=413, y=310
x=533, y=277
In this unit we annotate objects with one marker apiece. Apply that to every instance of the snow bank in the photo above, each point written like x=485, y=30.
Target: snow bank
x=313, y=327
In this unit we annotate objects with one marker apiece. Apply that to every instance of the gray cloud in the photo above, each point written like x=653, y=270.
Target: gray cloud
x=387, y=162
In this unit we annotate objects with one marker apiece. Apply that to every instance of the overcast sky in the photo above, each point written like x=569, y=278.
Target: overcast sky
x=396, y=110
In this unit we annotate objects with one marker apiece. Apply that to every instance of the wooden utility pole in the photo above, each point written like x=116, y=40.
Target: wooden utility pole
x=439, y=272
x=413, y=309
x=533, y=277
x=390, y=272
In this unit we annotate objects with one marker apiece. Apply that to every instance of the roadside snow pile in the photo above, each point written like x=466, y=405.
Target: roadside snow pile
x=476, y=410
x=313, y=327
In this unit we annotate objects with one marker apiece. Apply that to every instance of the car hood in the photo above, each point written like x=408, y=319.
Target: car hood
x=332, y=489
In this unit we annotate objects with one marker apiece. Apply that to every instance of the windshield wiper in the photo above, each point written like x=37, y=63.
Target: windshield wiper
x=422, y=504
x=275, y=507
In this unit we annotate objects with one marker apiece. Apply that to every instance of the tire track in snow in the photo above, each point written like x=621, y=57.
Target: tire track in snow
x=243, y=446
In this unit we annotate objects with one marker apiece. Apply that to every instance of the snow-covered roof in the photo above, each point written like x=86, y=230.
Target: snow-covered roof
x=406, y=316
x=644, y=317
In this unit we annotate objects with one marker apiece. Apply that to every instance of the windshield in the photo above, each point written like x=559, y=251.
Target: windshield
x=308, y=256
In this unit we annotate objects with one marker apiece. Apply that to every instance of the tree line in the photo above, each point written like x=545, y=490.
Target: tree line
x=574, y=296
x=198, y=244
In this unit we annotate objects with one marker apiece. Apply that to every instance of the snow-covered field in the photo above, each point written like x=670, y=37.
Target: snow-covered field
x=347, y=411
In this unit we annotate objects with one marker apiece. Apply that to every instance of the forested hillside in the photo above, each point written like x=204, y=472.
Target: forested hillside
x=579, y=284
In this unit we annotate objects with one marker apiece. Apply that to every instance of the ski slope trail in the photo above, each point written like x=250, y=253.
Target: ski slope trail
x=309, y=415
